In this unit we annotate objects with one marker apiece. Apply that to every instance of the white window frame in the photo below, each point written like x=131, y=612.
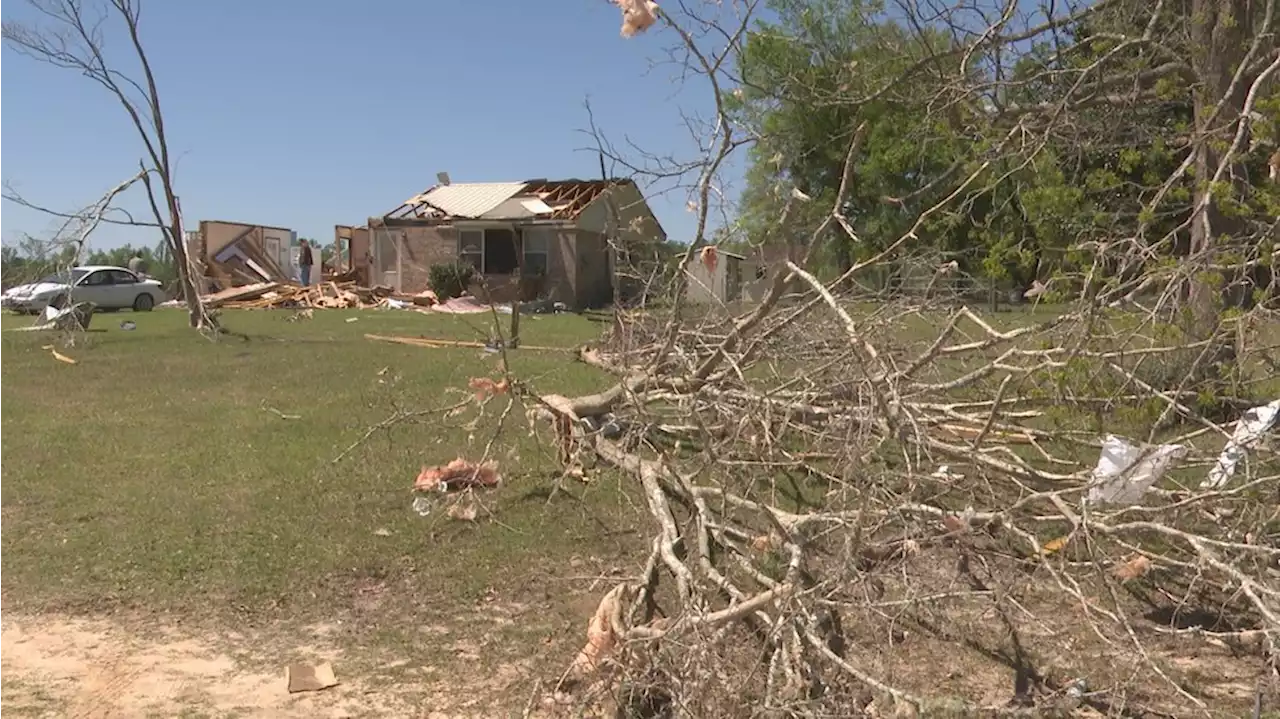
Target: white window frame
x=545, y=251
x=462, y=233
x=483, y=231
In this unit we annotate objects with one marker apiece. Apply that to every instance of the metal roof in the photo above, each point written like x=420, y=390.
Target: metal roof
x=468, y=199
x=528, y=200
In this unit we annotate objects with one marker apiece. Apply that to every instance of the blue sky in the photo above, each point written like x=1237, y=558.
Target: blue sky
x=310, y=114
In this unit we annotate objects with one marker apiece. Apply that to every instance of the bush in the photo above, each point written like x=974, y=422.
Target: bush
x=450, y=280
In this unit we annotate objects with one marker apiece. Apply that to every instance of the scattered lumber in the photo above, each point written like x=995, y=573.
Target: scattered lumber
x=330, y=294
x=434, y=343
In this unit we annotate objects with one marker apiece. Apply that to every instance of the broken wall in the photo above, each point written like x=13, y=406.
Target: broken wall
x=359, y=251
x=239, y=252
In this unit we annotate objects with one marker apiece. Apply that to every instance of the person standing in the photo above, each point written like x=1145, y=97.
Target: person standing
x=305, y=261
x=137, y=265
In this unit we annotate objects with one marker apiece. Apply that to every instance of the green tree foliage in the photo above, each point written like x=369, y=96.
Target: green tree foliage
x=805, y=83
x=1102, y=120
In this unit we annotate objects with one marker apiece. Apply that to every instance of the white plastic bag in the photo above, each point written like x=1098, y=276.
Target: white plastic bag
x=1252, y=425
x=1126, y=471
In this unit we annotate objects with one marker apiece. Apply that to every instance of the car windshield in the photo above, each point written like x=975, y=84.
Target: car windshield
x=65, y=278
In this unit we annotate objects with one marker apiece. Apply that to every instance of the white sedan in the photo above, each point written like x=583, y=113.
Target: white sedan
x=110, y=288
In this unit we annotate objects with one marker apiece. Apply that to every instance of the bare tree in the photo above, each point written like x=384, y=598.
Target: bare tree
x=73, y=36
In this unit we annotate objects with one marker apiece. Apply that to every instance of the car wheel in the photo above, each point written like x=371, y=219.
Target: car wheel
x=143, y=303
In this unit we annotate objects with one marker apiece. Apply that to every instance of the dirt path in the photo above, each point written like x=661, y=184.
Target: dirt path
x=82, y=669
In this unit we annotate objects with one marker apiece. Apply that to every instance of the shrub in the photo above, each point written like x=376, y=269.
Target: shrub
x=450, y=280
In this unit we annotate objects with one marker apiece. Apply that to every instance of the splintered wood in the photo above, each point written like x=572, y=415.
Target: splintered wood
x=326, y=295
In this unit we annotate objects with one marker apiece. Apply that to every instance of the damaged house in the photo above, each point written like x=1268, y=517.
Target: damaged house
x=537, y=239
x=234, y=254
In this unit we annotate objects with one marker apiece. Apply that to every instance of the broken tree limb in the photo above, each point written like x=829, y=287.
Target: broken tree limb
x=443, y=343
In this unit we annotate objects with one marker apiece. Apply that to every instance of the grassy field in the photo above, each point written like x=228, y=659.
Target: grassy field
x=154, y=478
x=167, y=480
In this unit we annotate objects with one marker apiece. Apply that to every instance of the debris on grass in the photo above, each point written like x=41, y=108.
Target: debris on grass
x=485, y=387
x=71, y=319
x=1251, y=427
x=280, y=414
x=310, y=677
x=1125, y=471
x=433, y=343
x=58, y=355
x=382, y=532
x=602, y=634
x=944, y=472
x=458, y=475
x=128, y=325
x=577, y=472
x=463, y=512
x=1055, y=545
x=1132, y=569
x=326, y=295
x=468, y=305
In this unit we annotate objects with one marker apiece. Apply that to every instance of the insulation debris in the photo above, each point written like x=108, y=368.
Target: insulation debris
x=1134, y=568
x=458, y=475
x=709, y=257
x=602, y=633
x=637, y=15
x=485, y=387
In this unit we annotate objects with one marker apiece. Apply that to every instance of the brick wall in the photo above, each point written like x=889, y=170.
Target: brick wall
x=577, y=266
x=420, y=248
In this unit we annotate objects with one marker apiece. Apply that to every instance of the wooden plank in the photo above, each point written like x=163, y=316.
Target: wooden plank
x=443, y=344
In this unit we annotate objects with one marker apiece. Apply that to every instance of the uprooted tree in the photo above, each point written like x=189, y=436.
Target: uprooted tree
x=868, y=499
x=71, y=34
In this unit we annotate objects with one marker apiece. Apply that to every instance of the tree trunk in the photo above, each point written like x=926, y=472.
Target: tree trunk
x=1221, y=31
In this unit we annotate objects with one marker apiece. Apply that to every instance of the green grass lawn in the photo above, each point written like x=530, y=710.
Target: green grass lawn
x=157, y=473
x=156, y=479
x=151, y=476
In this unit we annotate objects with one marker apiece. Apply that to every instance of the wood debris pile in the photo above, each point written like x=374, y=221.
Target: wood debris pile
x=326, y=295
